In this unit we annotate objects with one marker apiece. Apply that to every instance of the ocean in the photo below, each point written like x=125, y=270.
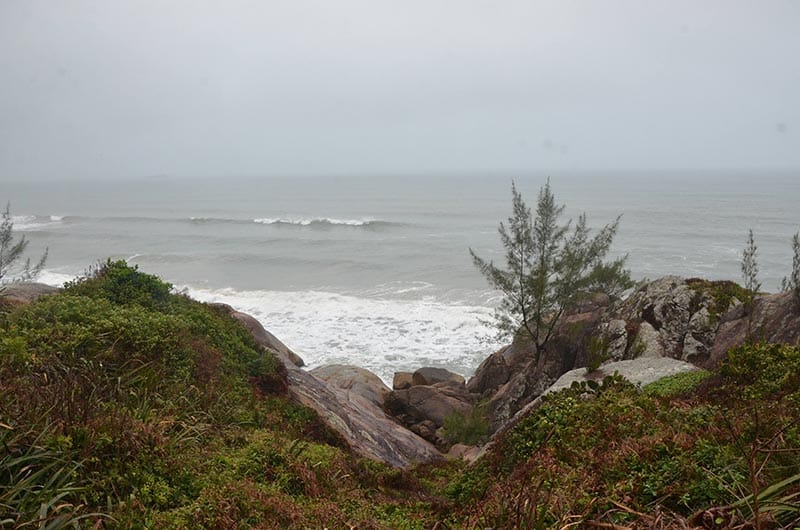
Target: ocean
x=376, y=272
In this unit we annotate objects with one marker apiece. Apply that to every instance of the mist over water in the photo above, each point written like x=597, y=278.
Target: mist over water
x=376, y=272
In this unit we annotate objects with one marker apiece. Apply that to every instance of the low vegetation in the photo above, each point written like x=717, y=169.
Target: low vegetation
x=724, y=295
x=125, y=405
x=695, y=450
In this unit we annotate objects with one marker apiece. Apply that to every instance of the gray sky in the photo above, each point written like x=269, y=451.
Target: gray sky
x=115, y=88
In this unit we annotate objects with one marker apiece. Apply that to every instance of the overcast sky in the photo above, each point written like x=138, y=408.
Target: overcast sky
x=116, y=88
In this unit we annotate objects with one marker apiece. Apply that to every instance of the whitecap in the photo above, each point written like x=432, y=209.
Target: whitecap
x=316, y=221
x=26, y=223
x=56, y=279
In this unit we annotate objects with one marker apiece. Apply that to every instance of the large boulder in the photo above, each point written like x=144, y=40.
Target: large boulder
x=648, y=342
x=773, y=318
x=431, y=376
x=515, y=395
x=363, y=425
x=424, y=408
x=354, y=380
x=492, y=373
x=402, y=380
x=641, y=371
x=428, y=402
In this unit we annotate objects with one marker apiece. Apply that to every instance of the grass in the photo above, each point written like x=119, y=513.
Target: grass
x=36, y=481
x=678, y=384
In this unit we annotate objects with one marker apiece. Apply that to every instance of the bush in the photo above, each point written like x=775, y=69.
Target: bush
x=133, y=381
x=469, y=429
x=122, y=284
x=764, y=370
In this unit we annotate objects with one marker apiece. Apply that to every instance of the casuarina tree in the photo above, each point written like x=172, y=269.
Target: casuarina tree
x=791, y=283
x=11, y=251
x=750, y=275
x=550, y=267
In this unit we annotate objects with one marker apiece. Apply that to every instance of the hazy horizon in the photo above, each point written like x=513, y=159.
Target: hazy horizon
x=504, y=176
x=96, y=90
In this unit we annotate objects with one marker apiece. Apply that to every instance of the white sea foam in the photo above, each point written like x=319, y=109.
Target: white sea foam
x=381, y=335
x=308, y=221
x=56, y=279
x=26, y=223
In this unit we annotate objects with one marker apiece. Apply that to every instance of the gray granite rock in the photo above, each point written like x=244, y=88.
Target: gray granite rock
x=354, y=380
x=431, y=376
x=25, y=292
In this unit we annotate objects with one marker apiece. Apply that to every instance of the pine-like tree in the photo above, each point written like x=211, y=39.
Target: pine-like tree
x=792, y=282
x=550, y=267
x=11, y=252
x=750, y=275
x=750, y=265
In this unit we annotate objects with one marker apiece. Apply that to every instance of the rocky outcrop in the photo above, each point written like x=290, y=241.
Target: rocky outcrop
x=493, y=372
x=428, y=402
x=670, y=317
x=364, y=426
x=773, y=318
x=357, y=419
x=25, y=292
x=685, y=314
x=355, y=381
x=423, y=399
x=641, y=371
x=525, y=376
x=665, y=327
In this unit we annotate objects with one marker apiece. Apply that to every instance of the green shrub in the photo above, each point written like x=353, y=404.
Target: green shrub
x=677, y=384
x=763, y=370
x=135, y=382
x=598, y=352
x=470, y=429
x=122, y=284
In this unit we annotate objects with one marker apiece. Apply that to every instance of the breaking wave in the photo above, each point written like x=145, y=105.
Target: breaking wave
x=26, y=223
x=310, y=222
